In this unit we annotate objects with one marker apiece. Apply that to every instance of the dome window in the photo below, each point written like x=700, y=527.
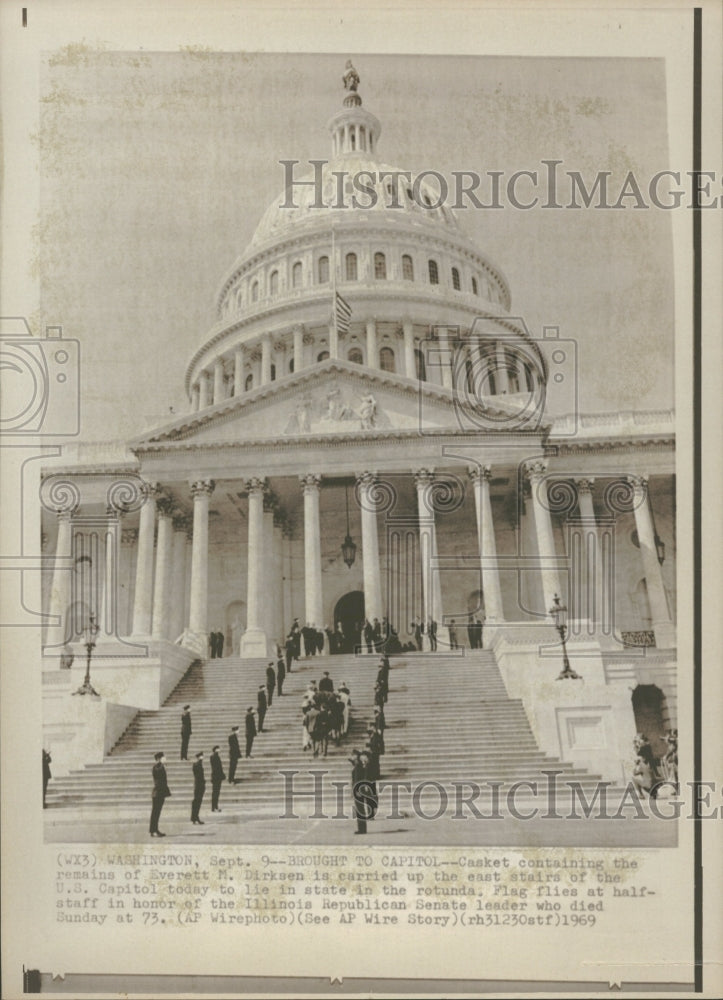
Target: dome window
x=291, y=366
x=297, y=274
x=433, y=272
x=323, y=270
x=352, y=139
x=407, y=268
x=420, y=367
x=386, y=360
x=362, y=138
x=475, y=290
x=249, y=383
x=355, y=356
x=255, y=292
x=380, y=266
x=274, y=283
x=456, y=284
x=351, y=267
x=273, y=373
x=323, y=356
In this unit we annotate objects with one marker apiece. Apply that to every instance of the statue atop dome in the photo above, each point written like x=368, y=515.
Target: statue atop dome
x=351, y=79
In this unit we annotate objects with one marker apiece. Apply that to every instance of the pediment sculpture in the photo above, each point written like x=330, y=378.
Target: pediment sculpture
x=334, y=412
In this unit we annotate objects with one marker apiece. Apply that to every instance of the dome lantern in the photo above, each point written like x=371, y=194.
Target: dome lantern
x=353, y=130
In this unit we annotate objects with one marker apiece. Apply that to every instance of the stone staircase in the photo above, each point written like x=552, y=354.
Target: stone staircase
x=449, y=719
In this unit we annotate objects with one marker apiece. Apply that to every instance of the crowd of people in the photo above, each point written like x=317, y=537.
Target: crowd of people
x=649, y=770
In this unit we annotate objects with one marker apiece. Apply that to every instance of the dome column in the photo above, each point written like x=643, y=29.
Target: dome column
x=487, y=546
x=203, y=391
x=365, y=485
x=333, y=340
x=311, y=485
x=410, y=368
x=298, y=348
x=142, y=605
x=253, y=641
x=238, y=371
x=218, y=385
x=372, y=352
x=265, y=360
x=501, y=380
x=195, y=398
x=445, y=356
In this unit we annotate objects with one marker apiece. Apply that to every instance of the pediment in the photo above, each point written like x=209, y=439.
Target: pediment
x=334, y=398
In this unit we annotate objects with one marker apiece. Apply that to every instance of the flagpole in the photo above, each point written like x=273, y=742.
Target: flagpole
x=334, y=354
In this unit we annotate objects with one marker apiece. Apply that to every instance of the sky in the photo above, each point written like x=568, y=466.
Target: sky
x=155, y=169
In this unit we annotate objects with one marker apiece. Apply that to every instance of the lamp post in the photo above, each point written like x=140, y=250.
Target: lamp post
x=90, y=632
x=559, y=615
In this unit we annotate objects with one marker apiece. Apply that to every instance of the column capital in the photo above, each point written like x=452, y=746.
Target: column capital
x=423, y=477
x=202, y=488
x=255, y=486
x=150, y=491
x=480, y=473
x=311, y=482
x=534, y=471
x=164, y=508
x=638, y=482
x=308, y=338
x=585, y=485
x=366, y=479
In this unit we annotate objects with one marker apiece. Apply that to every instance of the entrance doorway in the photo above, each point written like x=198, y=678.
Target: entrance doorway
x=349, y=611
x=651, y=716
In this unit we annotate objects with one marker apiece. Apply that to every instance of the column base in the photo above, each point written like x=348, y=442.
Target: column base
x=254, y=644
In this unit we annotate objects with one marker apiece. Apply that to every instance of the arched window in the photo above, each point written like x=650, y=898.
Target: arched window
x=362, y=138
x=407, y=268
x=274, y=283
x=475, y=290
x=351, y=268
x=355, y=355
x=380, y=266
x=297, y=274
x=433, y=272
x=273, y=373
x=255, y=292
x=249, y=383
x=322, y=356
x=456, y=284
x=323, y=270
x=420, y=366
x=386, y=359
x=352, y=137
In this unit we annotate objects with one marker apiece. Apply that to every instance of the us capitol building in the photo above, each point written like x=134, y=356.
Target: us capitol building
x=367, y=438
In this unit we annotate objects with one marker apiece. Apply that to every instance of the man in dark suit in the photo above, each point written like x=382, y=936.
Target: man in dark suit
x=199, y=788
x=289, y=651
x=161, y=791
x=472, y=634
x=47, y=760
x=220, y=639
x=234, y=754
x=418, y=629
x=270, y=684
x=261, y=706
x=218, y=776
x=326, y=683
x=295, y=634
x=368, y=633
x=250, y=730
x=453, y=640
x=478, y=629
x=280, y=675
x=185, y=731
x=432, y=633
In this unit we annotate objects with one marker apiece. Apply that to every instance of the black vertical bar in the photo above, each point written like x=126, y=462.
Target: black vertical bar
x=697, y=472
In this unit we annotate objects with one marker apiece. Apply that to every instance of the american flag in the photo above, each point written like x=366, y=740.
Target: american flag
x=342, y=311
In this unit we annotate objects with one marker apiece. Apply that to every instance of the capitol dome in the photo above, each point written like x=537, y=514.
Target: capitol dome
x=360, y=261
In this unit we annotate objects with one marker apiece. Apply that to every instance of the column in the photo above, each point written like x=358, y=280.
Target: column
x=162, y=585
x=126, y=578
x=108, y=617
x=218, y=385
x=238, y=371
x=203, y=391
x=535, y=472
x=370, y=547
x=501, y=381
x=265, y=360
x=410, y=367
x=312, y=550
x=281, y=608
x=445, y=357
x=665, y=636
x=62, y=580
x=253, y=642
x=142, y=604
x=178, y=580
x=298, y=348
x=431, y=584
x=333, y=340
x=268, y=605
x=201, y=491
x=195, y=393
x=589, y=589
x=372, y=352
x=287, y=573
x=487, y=545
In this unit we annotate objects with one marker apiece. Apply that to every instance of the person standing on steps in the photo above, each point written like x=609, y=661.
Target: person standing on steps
x=199, y=788
x=453, y=640
x=185, y=731
x=234, y=755
x=261, y=706
x=280, y=675
x=160, y=793
x=478, y=629
x=326, y=683
x=220, y=639
x=218, y=776
x=270, y=684
x=289, y=651
x=47, y=761
x=432, y=633
x=250, y=730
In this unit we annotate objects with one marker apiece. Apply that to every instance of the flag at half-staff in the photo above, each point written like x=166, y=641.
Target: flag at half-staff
x=342, y=313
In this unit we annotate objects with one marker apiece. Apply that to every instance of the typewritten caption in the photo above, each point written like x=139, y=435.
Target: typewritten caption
x=318, y=888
